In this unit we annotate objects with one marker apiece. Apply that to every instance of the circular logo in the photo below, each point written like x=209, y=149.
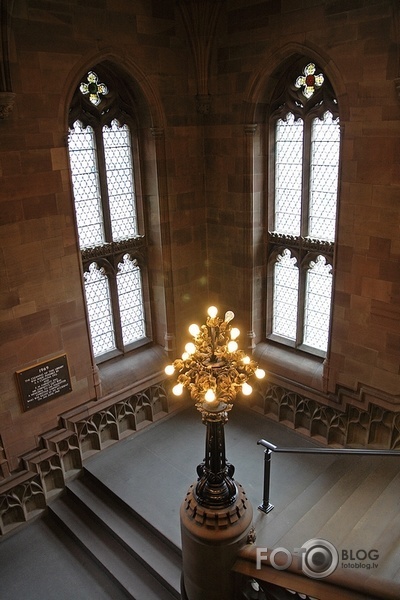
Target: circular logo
x=319, y=558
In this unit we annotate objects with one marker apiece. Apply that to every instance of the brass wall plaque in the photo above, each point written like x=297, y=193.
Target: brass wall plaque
x=44, y=381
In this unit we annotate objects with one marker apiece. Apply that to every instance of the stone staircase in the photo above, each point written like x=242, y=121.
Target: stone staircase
x=137, y=557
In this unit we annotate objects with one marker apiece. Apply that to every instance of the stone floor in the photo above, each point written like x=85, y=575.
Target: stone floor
x=350, y=501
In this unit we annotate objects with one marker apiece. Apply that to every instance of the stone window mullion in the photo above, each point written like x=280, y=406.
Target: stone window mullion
x=103, y=184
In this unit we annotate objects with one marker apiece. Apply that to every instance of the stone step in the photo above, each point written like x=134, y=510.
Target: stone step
x=115, y=559
x=161, y=557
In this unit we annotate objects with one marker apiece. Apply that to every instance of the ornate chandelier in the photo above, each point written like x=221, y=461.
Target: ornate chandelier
x=213, y=369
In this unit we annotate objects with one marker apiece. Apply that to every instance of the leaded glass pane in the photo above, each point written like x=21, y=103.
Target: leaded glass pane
x=99, y=310
x=318, y=304
x=119, y=169
x=86, y=187
x=130, y=297
x=288, y=174
x=286, y=290
x=325, y=142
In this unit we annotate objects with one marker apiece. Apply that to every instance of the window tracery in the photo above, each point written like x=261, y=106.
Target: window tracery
x=302, y=208
x=105, y=172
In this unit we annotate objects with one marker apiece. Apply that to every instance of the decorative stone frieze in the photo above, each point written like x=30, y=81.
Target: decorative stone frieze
x=48, y=466
x=306, y=244
x=111, y=248
x=372, y=427
x=107, y=424
x=82, y=433
x=21, y=498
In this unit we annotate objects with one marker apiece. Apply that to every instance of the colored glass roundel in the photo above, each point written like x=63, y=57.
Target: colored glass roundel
x=93, y=88
x=309, y=81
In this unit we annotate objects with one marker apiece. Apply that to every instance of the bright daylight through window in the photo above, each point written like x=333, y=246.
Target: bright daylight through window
x=303, y=203
x=103, y=179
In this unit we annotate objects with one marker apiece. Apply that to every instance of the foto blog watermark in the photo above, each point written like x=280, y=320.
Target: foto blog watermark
x=318, y=558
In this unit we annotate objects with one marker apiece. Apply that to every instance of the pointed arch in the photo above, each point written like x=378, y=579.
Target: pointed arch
x=263, y=83
x=147, y=100
x=132, y=109
x=265, y=103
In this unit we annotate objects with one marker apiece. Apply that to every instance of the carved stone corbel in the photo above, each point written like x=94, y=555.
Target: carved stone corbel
x=6, y=104
x=157, y=132
x=200, y=19
x=203, y=103
x=250, y=128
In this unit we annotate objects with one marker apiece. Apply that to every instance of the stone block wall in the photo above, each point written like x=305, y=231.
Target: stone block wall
x=357, y=44
x=51, y=47
x=205, y=79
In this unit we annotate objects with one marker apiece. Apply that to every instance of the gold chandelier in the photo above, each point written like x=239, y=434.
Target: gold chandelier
x=213, y=368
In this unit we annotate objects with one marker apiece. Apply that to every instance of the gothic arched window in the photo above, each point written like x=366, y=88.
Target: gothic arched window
x=105, y=170
x=302, y=208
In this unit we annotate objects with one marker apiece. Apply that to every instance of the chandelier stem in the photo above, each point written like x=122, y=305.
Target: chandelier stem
x=216, y=487
x=214, y=370
x=212, y=336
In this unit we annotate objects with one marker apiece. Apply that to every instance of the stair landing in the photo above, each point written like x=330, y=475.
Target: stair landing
x=353, y=502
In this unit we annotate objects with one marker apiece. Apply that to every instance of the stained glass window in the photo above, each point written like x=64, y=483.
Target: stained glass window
x=130, y=297
x=286, y=295
x=93, y=88
x=324, y=170
x=103, y=177
x=303, y=210
x=120, y=184
x=309, y=81
x=86, y=185
x=99, y=308
x=288, y=174
x=318, y=304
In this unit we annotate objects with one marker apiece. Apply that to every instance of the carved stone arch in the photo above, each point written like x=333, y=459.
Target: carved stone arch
x=101, y=264
x=278, y=251
x=135, y=257
x=313, y=257
x=146, y=99
x=264, y=81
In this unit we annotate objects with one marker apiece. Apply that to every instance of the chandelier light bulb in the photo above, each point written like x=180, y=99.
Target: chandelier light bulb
x=177, y=389
x=190, y=348
x=246, y=360
x=232, y=346
x=194, y=329
x=259, y=373
x=169, y=369
x=229, y=315
x=235, y=332
x=185, y=355
x=246, y=389
x=209, y=396
x=212, y=311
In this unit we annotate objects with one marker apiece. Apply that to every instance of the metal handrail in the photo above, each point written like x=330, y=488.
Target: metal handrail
x=266, y=506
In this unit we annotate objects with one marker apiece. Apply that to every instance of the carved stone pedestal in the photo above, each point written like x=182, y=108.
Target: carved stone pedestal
x=211, y=539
